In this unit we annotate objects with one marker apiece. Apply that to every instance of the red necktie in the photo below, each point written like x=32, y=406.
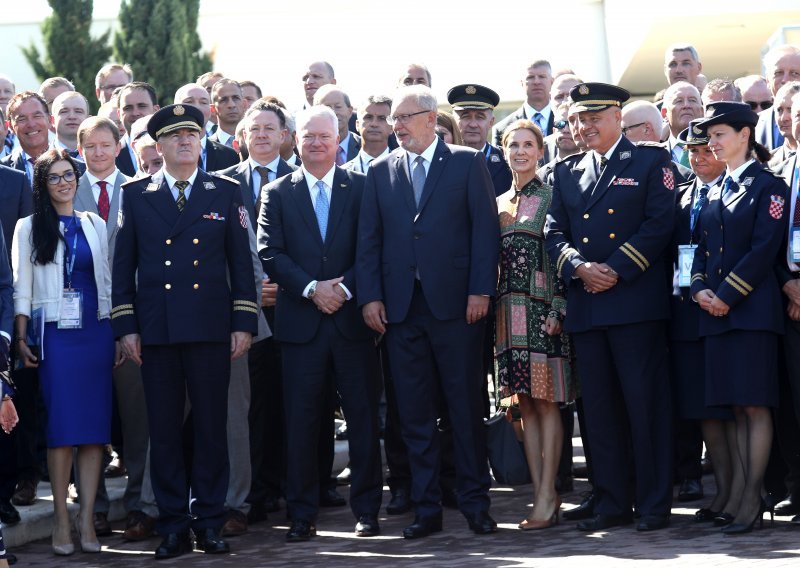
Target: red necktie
x=102, y=201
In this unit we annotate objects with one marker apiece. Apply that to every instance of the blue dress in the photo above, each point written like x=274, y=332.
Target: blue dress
x=75, y=374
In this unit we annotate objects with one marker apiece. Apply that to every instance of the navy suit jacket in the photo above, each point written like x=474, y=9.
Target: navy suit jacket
x=625, y=219
x=172, y=269
x=124, y=162
x=293, y=253
x=498, y=171
x=765, y=131
x=739, y=249
x=497, y=130
x=16, y=201
x=452, y=240
x=219, y=156
x=6, y=291
x=16, y=161
x=241, y=173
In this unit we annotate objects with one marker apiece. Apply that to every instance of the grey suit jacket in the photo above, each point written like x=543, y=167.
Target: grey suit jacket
x=84, y=201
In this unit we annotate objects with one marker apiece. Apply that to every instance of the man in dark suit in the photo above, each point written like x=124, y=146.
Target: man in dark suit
x=183, y=237
x=337, y=100
x=29, y=118
x=264, y=131
x=609, y=224
x=473, y=107
x=536, y=108
x=135, y=100
x=307, y=241
x=16, y=201
x=427, y=266
x=781, y=65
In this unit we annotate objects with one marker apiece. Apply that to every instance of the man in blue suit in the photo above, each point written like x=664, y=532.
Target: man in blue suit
x=426, y=269
x=307, y=235
x=609, y=224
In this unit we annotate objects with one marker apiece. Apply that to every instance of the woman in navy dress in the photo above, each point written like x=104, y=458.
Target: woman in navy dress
x=734, y=282
x=60, y=260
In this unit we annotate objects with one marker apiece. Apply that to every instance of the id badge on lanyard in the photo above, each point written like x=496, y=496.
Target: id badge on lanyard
x=685, y=260
x=70, y=314
x=794, y=240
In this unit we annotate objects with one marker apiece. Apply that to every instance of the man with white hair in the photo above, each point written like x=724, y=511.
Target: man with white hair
x=781, y=65
x=681, y=106
x=307, y=233
x=642, y=122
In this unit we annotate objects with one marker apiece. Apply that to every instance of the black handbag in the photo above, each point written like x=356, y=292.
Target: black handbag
x=506, y=453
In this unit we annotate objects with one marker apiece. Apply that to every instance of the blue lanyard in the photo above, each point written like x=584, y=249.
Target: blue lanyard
x=70, y=264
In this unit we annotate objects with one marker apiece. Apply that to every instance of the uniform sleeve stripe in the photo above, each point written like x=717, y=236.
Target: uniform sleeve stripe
x=122, y=307
x=245, y=303
x=744, y=284
x=736, y=286
x=698, y=276
x=245, y=309
x=633, y=257
x=642, y=257
x=122, y=313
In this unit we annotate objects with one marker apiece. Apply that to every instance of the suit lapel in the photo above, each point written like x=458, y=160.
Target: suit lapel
x=116, y=200
x=201, y=197
x=588, y=178
x=739, y=189
x=404, y=177
x=440, y=157
x=84, y=200
x=617, y=163
x=302, y=199
x=340, y=192
x=158, y=195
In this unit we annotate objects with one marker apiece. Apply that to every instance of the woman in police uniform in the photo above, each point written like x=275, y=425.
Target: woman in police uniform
x=734, y=282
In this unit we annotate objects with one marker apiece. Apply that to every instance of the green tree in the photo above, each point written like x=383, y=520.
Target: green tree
x=69, y=49
x=159, y=39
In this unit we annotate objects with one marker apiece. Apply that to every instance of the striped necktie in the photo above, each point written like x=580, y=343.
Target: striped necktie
x=181, y=201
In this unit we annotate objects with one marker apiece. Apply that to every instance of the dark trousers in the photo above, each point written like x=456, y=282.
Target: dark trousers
x=169, y=372
x=308, y=370
x=787, y=419
x=267, y=430
x=429, y=357
x=626, y=398
x=688, y=449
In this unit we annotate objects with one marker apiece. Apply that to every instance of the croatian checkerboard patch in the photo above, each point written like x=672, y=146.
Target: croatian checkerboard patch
x=669, y=178
x=776, y=206
x=243, y=216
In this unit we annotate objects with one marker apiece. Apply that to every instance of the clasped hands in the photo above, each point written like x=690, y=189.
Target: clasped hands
x=329, y=296
x=792, y=291
x=711, y=303
x=596, y=276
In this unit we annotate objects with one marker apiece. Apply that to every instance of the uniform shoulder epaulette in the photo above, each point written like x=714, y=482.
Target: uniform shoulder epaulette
x=143, y=181
x=574, y=157
x=773, y=173
x=222, y=176
x=650, y=144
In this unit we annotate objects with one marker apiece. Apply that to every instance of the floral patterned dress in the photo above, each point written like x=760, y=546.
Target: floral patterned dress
x=528, y=360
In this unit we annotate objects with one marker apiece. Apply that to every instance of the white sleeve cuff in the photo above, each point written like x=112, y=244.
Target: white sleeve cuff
x=346, y=291
x=307, y=288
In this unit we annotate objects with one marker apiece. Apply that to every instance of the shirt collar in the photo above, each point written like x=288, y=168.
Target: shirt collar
x=530, y=111
x=737, y=173
x=171, y=180
x=110, y=180
x=427, y=154
x=312, y=180
x=271, y=166
x=223, y=137
x=610, y=152
x=364, y=157
x=343, y=144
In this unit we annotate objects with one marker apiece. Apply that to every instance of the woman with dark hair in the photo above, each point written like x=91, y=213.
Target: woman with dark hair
x=60, y=260
x=531, y=352
x=734, y=281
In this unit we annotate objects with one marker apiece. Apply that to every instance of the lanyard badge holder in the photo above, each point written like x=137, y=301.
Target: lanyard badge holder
x=70, y=314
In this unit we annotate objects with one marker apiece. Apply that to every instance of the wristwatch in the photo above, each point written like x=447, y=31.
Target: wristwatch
x=312, y=290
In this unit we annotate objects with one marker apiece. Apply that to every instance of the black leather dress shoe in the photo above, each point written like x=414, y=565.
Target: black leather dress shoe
x=602, y=522
x=705, y=515
x=8, y=513
x=691, y=490
x=400, y=502
x=583, y=511
x=652, y=523
x=174, y=544
x=367, y=525
x=423, y=526
x=331, y=498
x=301, y=531
x=481, y=523
x=209, y=541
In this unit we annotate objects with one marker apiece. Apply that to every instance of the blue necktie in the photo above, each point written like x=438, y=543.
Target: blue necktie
x=702, y=198
x=321, y=208
x=418, y=178
x=726, y=186
x=539, y=119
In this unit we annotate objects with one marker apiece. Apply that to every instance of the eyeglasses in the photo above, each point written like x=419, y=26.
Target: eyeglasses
x=67, y=176
x=560, y=125
x=404, y=118
x=110, y=88
x=756, y=104
x=632, y=126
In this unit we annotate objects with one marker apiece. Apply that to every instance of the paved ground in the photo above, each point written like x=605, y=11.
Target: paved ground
x=683, y=544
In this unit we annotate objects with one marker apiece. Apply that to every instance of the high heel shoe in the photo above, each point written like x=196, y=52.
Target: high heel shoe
x=742, y=528
x=723, y=519
x=86, y=545
x=533, y=525
x=62, y=549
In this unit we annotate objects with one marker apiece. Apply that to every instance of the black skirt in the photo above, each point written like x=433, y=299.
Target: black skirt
x=688, y=380
x=742, y=369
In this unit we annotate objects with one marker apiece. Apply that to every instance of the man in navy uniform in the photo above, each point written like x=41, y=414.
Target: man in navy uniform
x=183, y=235
x=609, y=224
x=473, y=107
